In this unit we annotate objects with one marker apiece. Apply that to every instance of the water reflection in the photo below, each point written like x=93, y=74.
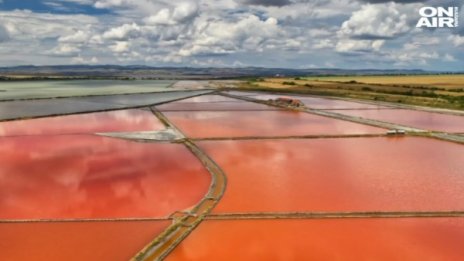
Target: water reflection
x=85, y=176
x=418, y=119
x=123, y=120
x=262, y=123
x=351, y=174
x=214, y=106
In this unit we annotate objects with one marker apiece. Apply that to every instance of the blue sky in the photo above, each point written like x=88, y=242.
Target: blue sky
x=228, y=33
x=58, y=7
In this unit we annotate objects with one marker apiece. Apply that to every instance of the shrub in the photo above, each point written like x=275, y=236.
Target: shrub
x=289, y=83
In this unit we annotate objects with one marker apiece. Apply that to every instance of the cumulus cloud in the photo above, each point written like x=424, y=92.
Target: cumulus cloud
x=84, y=60
x=265, y=2
x=344, y=33
x=182, y=13
x=110, y=3
x=123, y=32
x=352, y=46
x=396, y=1
x=408, y=57
x=81, y=2
x=185, y=12
x=456, y=40
x=162, y=17
x=78, y=37
x=4, y=36
x=449, y=58
x=324, y=44
x=249, y=33
x=421, y=41
x=27, y=24
x=65, y=50
x=377, y=22
x=120, y=47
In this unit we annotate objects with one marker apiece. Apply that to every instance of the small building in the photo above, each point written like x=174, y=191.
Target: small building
x=396, y=132
x=289, y=102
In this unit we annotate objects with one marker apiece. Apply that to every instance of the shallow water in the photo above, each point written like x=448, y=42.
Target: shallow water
x=121, y=120
x=326, y=104
x=314, y=102
x=140, y=99
x=411, y=118
x=262, y=123
x=45, y=89
x=45, y=107
x=84, y=176
x=76, y=241
x=213, y=103
x=343, y=174
x=215, y=106
x=325, y=239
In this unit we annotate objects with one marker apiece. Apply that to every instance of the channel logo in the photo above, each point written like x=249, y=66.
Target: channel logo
x=438, y=17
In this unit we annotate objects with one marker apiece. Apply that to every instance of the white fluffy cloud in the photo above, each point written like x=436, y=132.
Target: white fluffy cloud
x=408, y=57
x=248, y=33
x=294, y=33
x=348, y=45
x=84, y=60
x=4, y=36
x=26, y=24
x=378, y=21
x=110, y=3
x=456, y=40
x=65, y=50
x=181, y=13
x=120, y=47
x=123, y=32
x=77, y=37
x=384, y=33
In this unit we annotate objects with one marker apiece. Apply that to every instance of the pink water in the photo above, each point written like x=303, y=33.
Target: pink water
x=262, y=123
x=76, y=241
x=213, y=103
x=325, y=239
x=123, y=120
x=85, y=176
x=314, y=102
x=411, y=118
x=343, y=174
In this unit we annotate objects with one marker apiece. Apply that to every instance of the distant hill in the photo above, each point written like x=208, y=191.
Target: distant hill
x=146, y=72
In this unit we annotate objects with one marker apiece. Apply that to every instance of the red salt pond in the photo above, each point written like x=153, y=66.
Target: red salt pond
x=76, y=241
x=215, y=106
x=342, y=174
x=262, y=123
x=417, y=119
x=325, y=239
x=315, y=102
x=330, y=104
x=213, y=103
x=86, y=176
x=123, y=120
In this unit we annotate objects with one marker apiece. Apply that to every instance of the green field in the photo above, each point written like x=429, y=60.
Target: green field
x=443, y=91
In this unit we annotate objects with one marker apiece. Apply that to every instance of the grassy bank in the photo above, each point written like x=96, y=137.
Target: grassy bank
x=417, y=90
